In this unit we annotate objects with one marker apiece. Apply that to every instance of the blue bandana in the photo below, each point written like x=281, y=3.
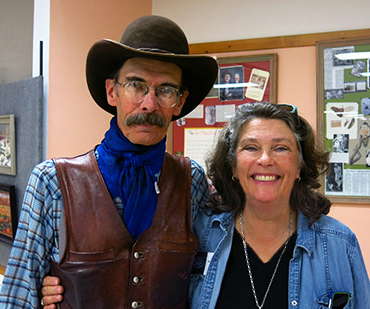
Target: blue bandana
x=129, y=172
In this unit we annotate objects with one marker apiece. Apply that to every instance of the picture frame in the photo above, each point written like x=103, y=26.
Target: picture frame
x=343, y=113
x=7, y=145
x=8, y=213
x=260, y=70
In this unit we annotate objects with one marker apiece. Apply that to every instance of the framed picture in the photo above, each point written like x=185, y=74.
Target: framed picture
x=343, y=107
x=7, y=145
x=8, y=213
x=247, y=78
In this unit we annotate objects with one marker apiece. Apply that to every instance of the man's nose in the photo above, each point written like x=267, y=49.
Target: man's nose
x=150, y=102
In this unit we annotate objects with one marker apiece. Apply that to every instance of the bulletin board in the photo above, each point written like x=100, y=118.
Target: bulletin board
x=344, y=117
x=240, y=80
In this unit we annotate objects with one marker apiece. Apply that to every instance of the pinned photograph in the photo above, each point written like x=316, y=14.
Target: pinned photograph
x=260, y=79
x=231, y=83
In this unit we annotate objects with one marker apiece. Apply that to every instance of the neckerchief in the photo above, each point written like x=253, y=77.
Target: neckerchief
x=129, y=172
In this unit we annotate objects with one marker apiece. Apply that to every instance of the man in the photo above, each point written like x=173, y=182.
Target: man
x=115, y=224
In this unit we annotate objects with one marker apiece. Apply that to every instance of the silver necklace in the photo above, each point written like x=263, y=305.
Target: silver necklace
x=249, y=266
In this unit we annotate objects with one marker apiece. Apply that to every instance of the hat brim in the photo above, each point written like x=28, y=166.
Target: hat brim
x=105, y=56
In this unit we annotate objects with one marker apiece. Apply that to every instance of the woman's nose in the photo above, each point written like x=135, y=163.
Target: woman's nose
x=266, y=159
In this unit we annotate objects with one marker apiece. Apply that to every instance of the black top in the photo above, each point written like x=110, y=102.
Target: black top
x=236, y=289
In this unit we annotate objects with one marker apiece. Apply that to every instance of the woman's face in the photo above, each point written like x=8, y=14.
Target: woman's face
x=267, y=161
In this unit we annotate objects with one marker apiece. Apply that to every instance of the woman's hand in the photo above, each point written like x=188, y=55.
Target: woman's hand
x=51, y=292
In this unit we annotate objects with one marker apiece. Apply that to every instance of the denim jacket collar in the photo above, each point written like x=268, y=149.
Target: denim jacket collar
x=305, y=235
x=224, y=219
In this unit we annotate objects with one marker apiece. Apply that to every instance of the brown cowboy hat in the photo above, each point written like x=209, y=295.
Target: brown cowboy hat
x=157, y=38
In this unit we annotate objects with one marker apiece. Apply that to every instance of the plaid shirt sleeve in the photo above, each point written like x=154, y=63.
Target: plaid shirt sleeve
x=36, y=240
x=199, y=189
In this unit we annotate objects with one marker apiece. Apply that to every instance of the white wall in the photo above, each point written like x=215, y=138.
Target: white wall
x=220, y=20
x=16, y=27
x=41, y=33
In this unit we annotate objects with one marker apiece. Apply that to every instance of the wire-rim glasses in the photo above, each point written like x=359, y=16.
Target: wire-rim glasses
x=136, y=91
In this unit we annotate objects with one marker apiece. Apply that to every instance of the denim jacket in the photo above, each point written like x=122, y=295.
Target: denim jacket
x=326, y=258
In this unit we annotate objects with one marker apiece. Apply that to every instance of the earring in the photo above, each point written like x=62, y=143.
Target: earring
x=233, y=178
x=299, y=178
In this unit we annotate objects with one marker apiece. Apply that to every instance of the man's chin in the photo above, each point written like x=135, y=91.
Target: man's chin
x=146, y=135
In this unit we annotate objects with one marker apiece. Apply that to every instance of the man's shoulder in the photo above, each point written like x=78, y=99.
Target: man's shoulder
x=196, y=167
x=45, y=169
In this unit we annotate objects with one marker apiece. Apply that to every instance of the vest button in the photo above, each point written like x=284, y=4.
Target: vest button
x=138, y=255
x=137, y=279
x=135, y=304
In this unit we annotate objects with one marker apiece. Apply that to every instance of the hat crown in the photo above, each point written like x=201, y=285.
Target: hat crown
x=157, y=34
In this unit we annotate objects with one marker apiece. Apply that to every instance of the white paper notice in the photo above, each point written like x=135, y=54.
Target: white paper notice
x=199, y=142
x=334, y=67
x=224, y=112
x=356, y=182
x=196, y=113
x=260, y=78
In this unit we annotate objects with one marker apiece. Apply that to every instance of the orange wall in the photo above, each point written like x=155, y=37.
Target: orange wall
x=75, y=123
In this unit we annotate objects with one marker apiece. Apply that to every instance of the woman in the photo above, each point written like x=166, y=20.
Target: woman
x=225, y=92
x=266, y=234
x=265, y=239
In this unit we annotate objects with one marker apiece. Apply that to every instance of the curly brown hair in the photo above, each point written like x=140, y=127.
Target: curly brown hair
x=314, y=161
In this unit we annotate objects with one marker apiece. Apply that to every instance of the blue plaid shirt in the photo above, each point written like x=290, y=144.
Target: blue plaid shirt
x=37, y=239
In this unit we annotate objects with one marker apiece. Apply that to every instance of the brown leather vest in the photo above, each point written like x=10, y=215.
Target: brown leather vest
x=102, y=266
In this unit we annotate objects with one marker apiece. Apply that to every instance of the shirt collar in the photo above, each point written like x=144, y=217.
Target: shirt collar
x=305, y=235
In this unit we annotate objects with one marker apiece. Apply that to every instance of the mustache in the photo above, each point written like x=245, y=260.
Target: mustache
x=146, y=118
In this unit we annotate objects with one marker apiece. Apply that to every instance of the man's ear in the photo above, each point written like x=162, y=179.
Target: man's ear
x=177, y=109
x=111, y=92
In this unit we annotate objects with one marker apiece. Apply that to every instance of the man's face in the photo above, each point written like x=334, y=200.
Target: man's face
x=154, y=74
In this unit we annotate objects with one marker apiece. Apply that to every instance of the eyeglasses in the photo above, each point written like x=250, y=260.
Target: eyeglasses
x=291, y=109
x=136, y=91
